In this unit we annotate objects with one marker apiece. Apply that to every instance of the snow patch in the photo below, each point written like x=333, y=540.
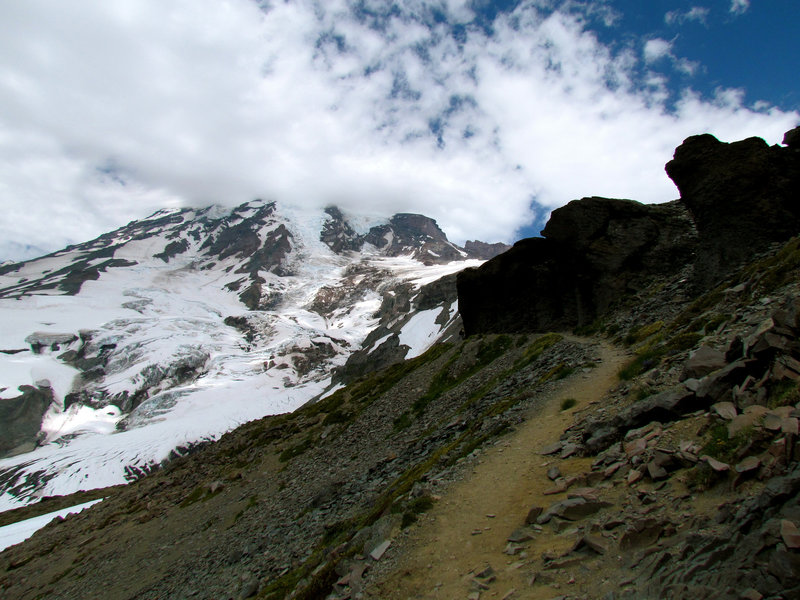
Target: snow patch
x=16, y=533
x=420, y=332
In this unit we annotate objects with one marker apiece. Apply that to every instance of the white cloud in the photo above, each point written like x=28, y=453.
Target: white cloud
x=109, y=111
x=698, y=14
x=656, y=49
x=739, y=7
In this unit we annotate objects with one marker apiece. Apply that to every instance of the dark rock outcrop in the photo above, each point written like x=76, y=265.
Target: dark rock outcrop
x=731, y=188
x=337, y=233
x=405, y=234
x=736, y=201
x=21, y=419
x=594, y=252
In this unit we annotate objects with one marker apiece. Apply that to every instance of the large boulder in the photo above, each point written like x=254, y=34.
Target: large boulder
x=743, y=196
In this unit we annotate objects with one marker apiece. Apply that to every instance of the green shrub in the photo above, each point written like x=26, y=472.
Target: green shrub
x=721, y=446
x=643, y=332
x=401, y=422
x=568, y=403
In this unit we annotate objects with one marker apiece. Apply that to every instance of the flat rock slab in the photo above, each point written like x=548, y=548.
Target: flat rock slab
x=751, y=463
x=379, y=550
x=726, y=410
x=572, y=509
x=552, y=448
x=703, y=361
x=716, y=465
x=520, y=535
x=790, y=534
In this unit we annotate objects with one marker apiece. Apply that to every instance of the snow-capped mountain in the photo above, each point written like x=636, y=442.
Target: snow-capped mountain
x=117, y=353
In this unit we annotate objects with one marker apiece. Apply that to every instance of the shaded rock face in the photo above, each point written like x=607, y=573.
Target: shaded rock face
x=594, y=251
x=337, y=233
x=728, y=188
x=21, y=419
x=736, y=200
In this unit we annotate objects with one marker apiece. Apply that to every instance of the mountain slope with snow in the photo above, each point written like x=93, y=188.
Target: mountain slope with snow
x=120, y=352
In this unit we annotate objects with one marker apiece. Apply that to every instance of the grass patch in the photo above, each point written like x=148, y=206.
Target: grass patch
x=296, y=450
x=560, y=371
x=445, y=380
x=536, y=349
x=337, y=416
x=403, y=421
x=783, y=393
x=415, y=508
x=568, y=403
x=643, y=332
x=199, y=494
x=644, y=361
x=721, y=446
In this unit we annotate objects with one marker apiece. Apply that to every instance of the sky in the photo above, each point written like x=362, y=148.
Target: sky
x=485, y=115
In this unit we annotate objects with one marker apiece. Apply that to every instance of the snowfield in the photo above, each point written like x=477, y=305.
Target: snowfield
x=166, y=355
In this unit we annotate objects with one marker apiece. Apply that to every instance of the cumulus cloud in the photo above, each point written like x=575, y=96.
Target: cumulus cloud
x=656, y=49
x=698, y=14
x=109, y=111
x=739, y=7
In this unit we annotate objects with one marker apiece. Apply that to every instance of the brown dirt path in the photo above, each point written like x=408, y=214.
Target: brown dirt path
x=468, y=527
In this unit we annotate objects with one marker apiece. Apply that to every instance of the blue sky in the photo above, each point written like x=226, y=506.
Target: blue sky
x=483, y=115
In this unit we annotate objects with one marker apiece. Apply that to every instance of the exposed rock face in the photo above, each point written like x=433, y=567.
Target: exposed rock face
x=21, y=419
x=593, y=252
x=736, y=200
x=405, y=234
x=482, y=250
x=337, y=233
x=731, y=188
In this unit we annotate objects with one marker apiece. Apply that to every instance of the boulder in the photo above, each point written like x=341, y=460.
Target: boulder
x=703, y=361
x=727, y=188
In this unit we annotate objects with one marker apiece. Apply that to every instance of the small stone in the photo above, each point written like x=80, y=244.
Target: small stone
x=523, y=534
x=726, y=410
x=751, y=594
x=592, y=542
x=568, y=449
x=533, y=514
x=636, y=447
x=772, y=422
x=751, y=463
x=380, y=549
x=655, y=471
x=485, y=572
x=551, y=448
x=474, y=596
x=790, y=534
x=778, y=447
x=561, y=486
x=790, y=425
x=718, y=466
x=587, y=493
x=612, y=468
x=633, y=476
x=509, y=594
x=478, y=585
x=513, y=549
x=553, y=473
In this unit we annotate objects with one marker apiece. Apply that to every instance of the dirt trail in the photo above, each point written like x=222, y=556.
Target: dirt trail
x=468, y=527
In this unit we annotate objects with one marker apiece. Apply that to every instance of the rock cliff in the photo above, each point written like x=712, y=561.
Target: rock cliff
x=736, y=200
